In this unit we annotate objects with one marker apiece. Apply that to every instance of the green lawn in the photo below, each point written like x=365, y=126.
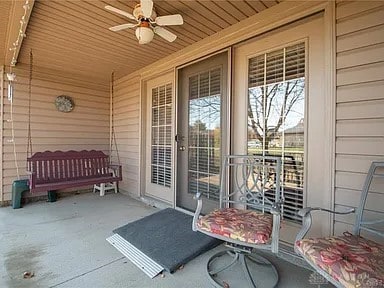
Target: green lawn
x=277, y=150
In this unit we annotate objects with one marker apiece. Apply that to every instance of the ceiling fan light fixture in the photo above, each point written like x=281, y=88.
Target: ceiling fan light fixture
x=144, y=34
x=147, y=22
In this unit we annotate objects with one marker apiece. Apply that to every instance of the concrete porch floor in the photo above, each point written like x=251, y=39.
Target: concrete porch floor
x=64, y=244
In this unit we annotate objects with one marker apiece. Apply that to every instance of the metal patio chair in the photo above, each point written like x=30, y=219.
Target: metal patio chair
x=350, y=260
x=248, y=217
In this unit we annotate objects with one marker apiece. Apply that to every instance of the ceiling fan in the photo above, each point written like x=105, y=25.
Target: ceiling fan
x=148, y=23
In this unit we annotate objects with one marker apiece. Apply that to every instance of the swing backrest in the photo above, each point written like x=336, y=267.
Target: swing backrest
x=58, y=166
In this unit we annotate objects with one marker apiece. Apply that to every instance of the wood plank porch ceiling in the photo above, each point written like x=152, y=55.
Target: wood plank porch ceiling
x=73, y=35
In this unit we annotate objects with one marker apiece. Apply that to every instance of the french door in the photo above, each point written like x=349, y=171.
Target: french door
x=201, y=130
x=279, y=110
x=159, y=146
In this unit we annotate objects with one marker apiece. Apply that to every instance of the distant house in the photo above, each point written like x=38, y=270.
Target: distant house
x=294, y=136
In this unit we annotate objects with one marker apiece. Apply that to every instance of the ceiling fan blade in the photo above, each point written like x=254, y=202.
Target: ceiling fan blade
x=122, y=26
x=146, y=8
x=164, y=33
x=176, y=19
x=121, y=12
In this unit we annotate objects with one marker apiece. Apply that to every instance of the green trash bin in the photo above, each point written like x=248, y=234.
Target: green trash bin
x=18, y=187
x=52, y=196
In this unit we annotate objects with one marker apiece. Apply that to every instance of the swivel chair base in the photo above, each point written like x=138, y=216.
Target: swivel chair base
x=242, y=258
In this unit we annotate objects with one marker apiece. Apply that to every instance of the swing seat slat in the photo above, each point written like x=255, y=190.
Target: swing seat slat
x=49, y=171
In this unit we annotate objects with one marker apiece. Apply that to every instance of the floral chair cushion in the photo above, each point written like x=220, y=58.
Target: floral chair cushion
x=351, y=260
x=243, y=225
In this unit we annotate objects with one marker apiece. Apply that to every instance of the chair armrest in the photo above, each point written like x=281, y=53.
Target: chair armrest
x=276, y=207
x=197, y=196
x=275, y=210
x=307, y=210
x=117, y=169
x=114, y=166
x=276, y=216
x=32, y=179
x=307, y=218
x=199, y=206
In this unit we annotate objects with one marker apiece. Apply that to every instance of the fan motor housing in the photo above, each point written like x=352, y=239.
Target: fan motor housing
x=138, y=13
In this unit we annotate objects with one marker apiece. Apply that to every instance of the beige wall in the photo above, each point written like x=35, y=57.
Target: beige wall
x=360, y=100
x=85, y=128
x=126, y=120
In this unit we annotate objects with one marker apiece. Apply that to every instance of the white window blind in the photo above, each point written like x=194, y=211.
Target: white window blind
x=276, y=95
x=161, y=144
x=277, y=66
x=204, y=133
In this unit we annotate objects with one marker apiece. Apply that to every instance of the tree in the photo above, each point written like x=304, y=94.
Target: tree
x=269, y=106
x=198, y=126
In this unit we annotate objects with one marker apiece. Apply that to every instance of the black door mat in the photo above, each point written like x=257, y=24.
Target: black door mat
x=167, y=238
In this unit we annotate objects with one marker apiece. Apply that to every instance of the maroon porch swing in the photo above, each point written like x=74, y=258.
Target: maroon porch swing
x=50, y=171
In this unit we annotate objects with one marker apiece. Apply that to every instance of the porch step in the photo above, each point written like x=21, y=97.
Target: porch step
x=142, y=261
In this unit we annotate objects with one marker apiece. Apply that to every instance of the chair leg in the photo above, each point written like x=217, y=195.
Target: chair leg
x=102, y=189
x=115, y=186
x=233, y=262
x=244, y=265
x=241, y=258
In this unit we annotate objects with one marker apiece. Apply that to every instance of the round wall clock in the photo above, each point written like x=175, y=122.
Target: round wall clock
x=64, y=103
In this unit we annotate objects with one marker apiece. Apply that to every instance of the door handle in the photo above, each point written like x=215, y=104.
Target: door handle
x=182, y=148
x=179, y=138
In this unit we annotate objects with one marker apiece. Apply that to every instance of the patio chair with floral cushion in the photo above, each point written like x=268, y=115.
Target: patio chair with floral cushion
x=248, y=217
x=350, y=260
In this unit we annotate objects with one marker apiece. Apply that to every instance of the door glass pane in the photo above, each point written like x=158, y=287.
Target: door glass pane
x=161, y=142
x=276, y=103
x=204, y=143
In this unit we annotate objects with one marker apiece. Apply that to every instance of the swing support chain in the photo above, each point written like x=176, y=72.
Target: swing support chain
x=29, y=142
x=113, y=141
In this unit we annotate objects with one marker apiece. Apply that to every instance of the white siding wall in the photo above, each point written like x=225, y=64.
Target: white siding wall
x=126, y=104
x=360, y=100
x=85, y=128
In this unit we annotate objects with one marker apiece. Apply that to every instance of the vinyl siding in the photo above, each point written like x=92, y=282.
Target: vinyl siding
x=359, y=103
x=85, y=128
x=126, y=122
